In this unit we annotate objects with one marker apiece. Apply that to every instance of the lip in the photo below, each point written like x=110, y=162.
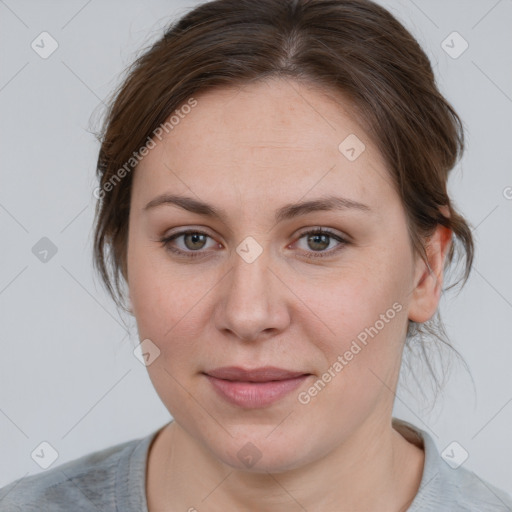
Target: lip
x=254, y=388
x=263, y=374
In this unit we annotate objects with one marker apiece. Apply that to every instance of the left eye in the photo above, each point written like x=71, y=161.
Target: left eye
x=320, y=239
x=317, y=239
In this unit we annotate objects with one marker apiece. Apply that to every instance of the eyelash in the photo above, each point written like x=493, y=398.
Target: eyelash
x=166, y=243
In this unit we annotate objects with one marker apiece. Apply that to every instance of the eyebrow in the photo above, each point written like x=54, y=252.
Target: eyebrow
x=286, y=212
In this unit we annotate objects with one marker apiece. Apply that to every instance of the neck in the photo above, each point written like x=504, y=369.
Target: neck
x=376, y=469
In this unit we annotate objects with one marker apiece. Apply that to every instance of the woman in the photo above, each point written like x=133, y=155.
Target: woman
x=273, y=194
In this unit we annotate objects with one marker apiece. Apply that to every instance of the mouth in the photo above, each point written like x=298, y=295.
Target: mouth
x=254, y=388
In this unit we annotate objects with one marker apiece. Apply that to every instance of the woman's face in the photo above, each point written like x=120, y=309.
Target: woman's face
x=252, y=290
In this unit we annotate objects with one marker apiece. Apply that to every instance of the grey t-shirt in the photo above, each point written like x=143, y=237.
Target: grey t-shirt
x=113, y=480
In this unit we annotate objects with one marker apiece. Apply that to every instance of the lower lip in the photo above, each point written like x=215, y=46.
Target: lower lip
x=252, y=395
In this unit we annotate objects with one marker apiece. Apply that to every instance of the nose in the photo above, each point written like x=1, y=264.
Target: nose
x=252, y=302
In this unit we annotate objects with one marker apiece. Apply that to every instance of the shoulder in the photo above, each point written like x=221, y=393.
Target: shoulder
x=469, y=492
x=462, y=490
x=88, y=482
x=448, y=486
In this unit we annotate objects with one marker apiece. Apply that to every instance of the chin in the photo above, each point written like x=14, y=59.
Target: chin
x=261, y=455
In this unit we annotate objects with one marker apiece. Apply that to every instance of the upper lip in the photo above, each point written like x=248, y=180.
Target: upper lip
x=263, y=374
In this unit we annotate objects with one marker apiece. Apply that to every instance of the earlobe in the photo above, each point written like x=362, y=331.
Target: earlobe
x=429, y=278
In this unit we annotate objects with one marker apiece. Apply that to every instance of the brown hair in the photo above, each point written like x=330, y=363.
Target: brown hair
x=355, y=47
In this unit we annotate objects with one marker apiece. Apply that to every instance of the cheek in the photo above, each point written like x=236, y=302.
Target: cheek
x=351, y=298
x=165, y=307
x=168, y=301
x=364, y=322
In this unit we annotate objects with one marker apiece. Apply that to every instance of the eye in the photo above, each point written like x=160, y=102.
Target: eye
x=319, y=239
x=194, y=241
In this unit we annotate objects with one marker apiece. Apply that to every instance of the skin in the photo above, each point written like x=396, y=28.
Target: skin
x=249, y=150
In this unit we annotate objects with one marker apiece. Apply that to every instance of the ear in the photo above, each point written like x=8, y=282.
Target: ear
x=429, y=283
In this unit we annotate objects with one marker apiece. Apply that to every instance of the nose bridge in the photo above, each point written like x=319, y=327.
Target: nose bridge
x=250, y=301
x=250, y=274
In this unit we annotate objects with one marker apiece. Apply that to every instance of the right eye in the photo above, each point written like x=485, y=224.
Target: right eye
x=193, y=239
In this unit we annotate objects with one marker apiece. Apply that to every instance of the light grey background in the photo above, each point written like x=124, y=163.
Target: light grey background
x=68, y=375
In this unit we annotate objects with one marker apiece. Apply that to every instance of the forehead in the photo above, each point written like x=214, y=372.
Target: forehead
x=264, y=140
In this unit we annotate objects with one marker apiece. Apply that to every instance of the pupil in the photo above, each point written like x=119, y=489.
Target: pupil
x=195, y=239
x=323, y=244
